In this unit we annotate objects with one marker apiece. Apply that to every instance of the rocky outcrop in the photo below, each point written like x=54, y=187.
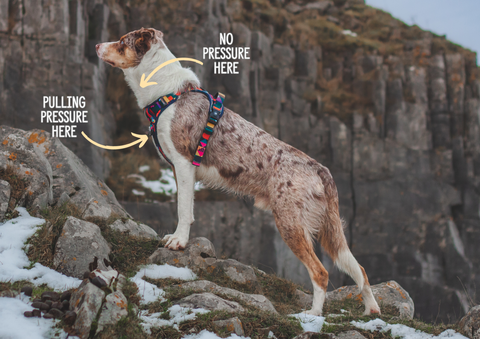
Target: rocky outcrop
x=470, y=323
x=80, y=244
x=210, y=302
x=49, y=50
x=402, y=143
x=256, y=300
x=55, y=175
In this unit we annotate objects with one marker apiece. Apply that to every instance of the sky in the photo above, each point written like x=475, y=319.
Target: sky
x=457, y=19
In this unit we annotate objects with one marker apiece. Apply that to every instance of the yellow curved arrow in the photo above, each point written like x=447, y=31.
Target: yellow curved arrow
x=142, y=139
x=144, y=82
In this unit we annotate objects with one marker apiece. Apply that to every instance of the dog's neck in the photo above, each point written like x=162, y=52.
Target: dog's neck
x=169, y=79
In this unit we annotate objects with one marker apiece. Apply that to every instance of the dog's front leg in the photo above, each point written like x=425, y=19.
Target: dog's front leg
x=185, y=177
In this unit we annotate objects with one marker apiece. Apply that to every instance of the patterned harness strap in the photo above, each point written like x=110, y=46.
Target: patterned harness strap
x=156, y=108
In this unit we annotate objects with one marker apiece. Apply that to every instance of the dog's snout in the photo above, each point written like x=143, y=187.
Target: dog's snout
x=97, y=46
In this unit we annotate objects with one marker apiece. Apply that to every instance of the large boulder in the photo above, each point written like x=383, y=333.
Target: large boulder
x=256, y=300
x=134, y=228
x=85, y=302
x=78, y=245
x=54, y=173
x=386, y=294
x=470, y=323
x=199, y=254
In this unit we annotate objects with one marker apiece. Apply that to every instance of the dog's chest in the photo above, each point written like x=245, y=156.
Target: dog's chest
x=164, y=127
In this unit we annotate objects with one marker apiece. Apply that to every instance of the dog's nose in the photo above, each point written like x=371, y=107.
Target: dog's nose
x=97, y=46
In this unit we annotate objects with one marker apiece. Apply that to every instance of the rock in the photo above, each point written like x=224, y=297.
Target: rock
x=98, y=282
x=195, y=255
x=70, y=318
x=27, y=290
x=386, y=294
x=65, y=305
x=77, y=246
x=232, y=325
x=322, y=6
x=40, y=305
x=48, y=295
x=199, y=253
x=135, y=229
x=293, y=8
x=350, y=335
x=37, y=313
x=85, y=302
x=57, y=314
x=57, y=304
x=53, y=171
x=470, y=323
x=48, y=316
x=210, y=302
x=256, y=300
x=103, y=278
x=28, y=314
x=65, y=296
x=4, y=198
x=237, y=271
x=304, y=299
x=114, y=308
x=314, y=335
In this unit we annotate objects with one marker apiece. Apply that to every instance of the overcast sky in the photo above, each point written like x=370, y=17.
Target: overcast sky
x=459, y=20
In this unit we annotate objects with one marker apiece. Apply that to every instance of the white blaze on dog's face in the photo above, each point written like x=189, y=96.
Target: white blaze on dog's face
x=130, y=49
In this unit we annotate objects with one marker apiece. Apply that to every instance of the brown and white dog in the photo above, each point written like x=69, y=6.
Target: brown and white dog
x=241, y=158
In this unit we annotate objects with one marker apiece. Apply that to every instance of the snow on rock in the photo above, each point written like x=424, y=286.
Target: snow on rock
x=178, y=314
x=14, y=325
x=13, y=259
x=403, y=331
x=209, y=335
x=310, y=323
x=150, y=292
x=166, y=271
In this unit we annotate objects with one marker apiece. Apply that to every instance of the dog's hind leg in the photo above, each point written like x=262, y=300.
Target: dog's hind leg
x=334, y=242
x=301, y=245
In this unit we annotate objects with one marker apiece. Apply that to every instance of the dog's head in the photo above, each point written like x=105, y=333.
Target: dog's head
x=131, y=48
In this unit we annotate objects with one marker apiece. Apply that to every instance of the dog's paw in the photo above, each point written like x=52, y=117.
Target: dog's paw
x=372, y=310
x=175, y=242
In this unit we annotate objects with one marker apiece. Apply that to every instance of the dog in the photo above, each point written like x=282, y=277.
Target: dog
x=241, y=158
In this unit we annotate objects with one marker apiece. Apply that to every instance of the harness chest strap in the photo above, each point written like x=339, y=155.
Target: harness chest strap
x=156, y=108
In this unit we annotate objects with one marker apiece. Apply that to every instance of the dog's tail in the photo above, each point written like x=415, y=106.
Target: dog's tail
x=332, y=238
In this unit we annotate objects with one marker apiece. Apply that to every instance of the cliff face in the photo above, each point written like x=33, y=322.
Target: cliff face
x=392, y=110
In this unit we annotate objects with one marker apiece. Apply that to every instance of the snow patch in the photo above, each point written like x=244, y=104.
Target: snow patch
x=178, y=314
x=14, y=325
x=150, y=292
x=349, y=32
x=310, y=323
x=403, y=331
x=13, y=259
x=209, y=335
x=165, y=185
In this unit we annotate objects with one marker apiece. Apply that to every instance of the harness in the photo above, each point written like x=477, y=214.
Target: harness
x=215, y=112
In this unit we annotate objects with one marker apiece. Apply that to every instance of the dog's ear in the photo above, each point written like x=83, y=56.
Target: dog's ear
x=145, y=37
x=158, y=35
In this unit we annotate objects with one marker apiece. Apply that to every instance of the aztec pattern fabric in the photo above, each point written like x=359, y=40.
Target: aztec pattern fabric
x=156, y=108
x=215, y=113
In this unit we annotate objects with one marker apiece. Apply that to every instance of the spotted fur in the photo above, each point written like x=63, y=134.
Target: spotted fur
x=243, y=159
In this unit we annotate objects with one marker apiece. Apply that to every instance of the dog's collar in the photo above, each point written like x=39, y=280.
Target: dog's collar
x=215, y=112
